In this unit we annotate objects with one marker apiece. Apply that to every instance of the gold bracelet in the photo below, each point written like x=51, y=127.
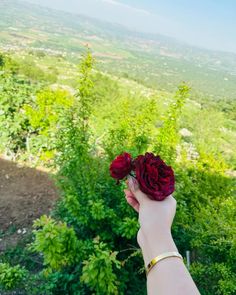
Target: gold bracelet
x=160, y=257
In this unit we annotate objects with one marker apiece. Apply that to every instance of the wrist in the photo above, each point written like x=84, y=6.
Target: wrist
x=157, y=244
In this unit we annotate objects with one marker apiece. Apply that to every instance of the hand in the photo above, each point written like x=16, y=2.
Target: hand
x=155, y=218
x=170, y=276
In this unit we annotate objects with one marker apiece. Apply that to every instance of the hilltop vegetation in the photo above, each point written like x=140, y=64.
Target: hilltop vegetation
x=73, y=114
x=210, y=128
x=75, y=121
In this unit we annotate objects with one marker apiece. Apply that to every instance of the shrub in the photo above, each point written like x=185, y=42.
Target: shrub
x=98, y=270
x=14, y=125
x=45, y=115
x=11, y=277
x=56, y=242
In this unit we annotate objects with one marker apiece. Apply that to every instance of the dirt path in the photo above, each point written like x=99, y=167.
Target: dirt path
x=25, y=194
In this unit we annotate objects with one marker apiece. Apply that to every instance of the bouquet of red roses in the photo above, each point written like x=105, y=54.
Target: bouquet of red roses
x=154, y=177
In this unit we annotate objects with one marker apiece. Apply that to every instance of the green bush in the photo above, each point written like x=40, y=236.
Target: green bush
x=44, y=115
x=57, y=243
x=14, y=125
x=11, y=277
x=98, y=270
x=214, y=278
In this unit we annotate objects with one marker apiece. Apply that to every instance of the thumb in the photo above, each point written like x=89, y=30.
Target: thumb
x=134, y=188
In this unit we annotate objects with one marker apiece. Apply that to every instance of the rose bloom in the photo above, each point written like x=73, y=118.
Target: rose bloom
x=155, y=178
x=121, y=166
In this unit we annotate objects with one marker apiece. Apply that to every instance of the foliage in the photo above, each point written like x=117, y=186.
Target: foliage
x=2, y=60
x=131, y=128
x=33, y=72
x=86, y=201
x=98, y=270
x=168, y=137
x=222, y=279
x=14, y=125
x=89, y=246
x=11, y=276
x=73, y=148
x=64, y=282
x=57, y=242
x=44, y=116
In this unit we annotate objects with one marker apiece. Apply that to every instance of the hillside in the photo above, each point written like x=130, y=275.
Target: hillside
x=61, y=110
x=153, y=60
x=75, y=120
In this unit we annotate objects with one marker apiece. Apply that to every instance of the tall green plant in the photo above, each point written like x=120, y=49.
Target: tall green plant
x=89, y=202
x=14, y=125
x=75, y=175
x=168, y=137
x=45, y=115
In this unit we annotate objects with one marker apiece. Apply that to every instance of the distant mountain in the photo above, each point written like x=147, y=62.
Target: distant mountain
x=153, y=60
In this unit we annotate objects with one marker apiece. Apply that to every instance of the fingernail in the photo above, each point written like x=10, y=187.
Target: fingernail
x=133, y=184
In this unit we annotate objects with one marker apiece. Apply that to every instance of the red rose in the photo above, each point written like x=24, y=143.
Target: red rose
x=121, y=166
x=155, y=178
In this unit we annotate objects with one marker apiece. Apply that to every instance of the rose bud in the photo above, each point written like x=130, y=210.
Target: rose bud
x=155, y=178
x=121, y=166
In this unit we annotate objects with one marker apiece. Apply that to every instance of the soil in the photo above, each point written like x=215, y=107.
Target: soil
x=25, y=194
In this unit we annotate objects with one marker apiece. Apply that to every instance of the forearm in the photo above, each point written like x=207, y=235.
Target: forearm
x=168, y=276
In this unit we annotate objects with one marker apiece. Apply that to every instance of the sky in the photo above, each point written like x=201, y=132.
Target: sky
x=205, y=23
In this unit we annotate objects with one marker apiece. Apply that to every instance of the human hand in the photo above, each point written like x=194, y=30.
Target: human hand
x=154, y=237
x=155, y=218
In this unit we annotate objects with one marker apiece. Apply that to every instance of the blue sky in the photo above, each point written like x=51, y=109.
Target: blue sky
x=205, y=23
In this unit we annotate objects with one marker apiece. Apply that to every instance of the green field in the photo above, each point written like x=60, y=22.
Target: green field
x=153, y=60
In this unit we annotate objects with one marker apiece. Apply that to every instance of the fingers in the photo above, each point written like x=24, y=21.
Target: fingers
x=134, y=188
x=131, y=200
